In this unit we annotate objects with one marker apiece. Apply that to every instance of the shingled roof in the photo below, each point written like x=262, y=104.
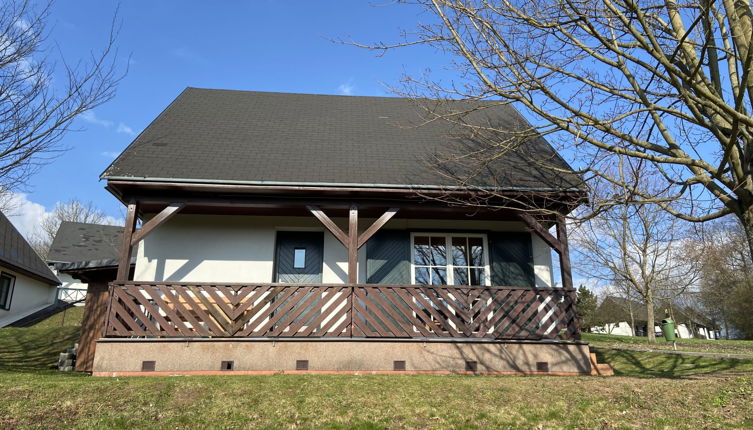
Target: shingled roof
x=260, y=138
x=80, y=242
x=16, y=254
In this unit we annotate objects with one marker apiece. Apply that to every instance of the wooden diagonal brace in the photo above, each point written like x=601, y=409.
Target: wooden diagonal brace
x=542, y=232
x=331, y=226
x=167, y=213
x=379, y=223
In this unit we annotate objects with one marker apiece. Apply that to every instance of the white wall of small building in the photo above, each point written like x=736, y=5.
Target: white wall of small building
x=234, y=248
x=69, y=282
x=70, y=289
x=29, y=296
x=621, y=328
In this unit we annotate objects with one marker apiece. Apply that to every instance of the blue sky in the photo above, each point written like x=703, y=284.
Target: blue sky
x=281, y=46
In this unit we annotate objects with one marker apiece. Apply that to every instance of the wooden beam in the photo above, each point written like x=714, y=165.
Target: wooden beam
x=379, y=223
x=353, y=245
x=541, y=231
x=171, y=210
x=124, y=264
x=331, y=226
x=565, y=269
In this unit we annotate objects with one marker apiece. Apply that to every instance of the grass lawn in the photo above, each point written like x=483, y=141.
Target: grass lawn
x=652, y=390
x=694, y=345
x=70, y=317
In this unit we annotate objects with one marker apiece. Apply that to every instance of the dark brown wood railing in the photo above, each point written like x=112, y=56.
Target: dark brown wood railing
x=335, y=310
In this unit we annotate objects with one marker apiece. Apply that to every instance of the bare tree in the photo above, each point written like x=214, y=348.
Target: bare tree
x=73, y=210
x=639, y=248
x=666, y=82
x=726, y=278
x=38, y=98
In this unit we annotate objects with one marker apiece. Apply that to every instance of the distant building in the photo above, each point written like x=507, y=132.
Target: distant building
x=617, y=312
x=27, y=285
x=82, y=245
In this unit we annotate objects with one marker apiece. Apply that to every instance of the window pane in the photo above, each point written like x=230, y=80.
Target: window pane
x=459, y=251
x=5, y=283
x=461, y=276
x=421, y=251
x=439, y=276
x=438, y=251
x=422, y=275
x=477, y=276
x=299, y=258
x=477, y=251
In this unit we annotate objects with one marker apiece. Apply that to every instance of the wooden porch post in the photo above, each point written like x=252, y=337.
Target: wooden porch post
x=353, y=245
x=566, y=272
x=124, y=265
x=565, y=269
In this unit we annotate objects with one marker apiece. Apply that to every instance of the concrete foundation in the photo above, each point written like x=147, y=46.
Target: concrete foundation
x=120, y=357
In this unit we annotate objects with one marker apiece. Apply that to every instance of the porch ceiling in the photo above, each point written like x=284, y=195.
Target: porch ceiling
x=292, y=201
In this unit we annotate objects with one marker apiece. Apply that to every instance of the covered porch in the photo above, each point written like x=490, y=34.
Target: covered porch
x=150, y=316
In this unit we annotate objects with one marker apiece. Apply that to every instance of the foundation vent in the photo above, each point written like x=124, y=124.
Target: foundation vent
x=301, y=365
x=542, y=366
x=148, y=366
x=226, y=365
x=398, y=365
x=471, y=366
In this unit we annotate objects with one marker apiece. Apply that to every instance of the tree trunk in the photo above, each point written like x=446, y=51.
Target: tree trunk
x=632, y=319
x=650, y=320
x=747, y=222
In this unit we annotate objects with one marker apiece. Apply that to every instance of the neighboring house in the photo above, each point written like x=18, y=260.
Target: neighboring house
x=27, y=285
x=618, y=312
x=291, y=232
x=77, y=244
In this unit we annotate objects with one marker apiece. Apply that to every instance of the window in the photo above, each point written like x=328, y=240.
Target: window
x=450, y=259
x=6, y=290
x=299, y=258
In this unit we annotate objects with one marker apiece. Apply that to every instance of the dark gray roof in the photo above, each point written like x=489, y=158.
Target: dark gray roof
x=226, y=136
x=78, y=242
x=16, y=254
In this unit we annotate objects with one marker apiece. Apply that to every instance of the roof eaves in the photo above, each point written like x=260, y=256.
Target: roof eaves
x=26, y=272
x=341, y=185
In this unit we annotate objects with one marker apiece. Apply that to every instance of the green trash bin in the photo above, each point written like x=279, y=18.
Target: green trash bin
x=668, y=328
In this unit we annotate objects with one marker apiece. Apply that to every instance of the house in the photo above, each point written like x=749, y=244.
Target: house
x=26, y=283
x=618, y=312
x=292, y=232
x=79, y=245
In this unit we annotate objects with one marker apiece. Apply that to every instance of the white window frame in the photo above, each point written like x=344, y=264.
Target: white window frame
x=448, y=251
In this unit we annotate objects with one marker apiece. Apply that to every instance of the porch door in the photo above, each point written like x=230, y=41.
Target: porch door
x=299, y=257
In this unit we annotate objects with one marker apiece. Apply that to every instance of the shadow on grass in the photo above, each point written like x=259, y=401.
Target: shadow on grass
x=653, y=364
x=33, y=349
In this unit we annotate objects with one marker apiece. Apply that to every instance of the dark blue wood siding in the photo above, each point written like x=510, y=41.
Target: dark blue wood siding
x=388, y=258
x=511, y=255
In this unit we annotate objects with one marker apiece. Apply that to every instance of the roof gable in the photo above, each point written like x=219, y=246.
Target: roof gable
x=17, y=254
x=243, y=137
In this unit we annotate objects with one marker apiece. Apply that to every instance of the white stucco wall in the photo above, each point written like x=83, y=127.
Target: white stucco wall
x=29, y=296
x=70, y=289
x=621, y=328
x=223, y=248
x=69, y=282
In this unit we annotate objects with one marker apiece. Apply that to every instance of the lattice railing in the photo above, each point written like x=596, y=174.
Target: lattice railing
x=333, y=310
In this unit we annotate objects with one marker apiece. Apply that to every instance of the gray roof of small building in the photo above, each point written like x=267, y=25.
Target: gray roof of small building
x=16, y=254
x=245, y=137
x=83, y=242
